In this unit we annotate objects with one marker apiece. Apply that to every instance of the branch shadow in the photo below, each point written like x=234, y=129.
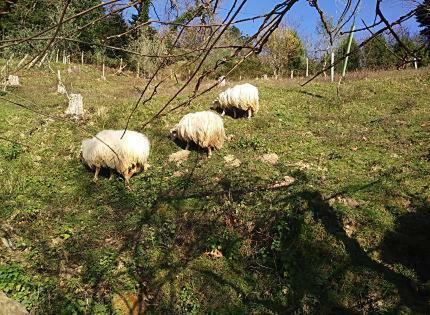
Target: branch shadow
x=310, y=94
x=152, y=241
x=409, y=243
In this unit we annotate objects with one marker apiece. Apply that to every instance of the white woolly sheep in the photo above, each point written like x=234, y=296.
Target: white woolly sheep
x=206, y=129
x=244, y=97
x=127, y=155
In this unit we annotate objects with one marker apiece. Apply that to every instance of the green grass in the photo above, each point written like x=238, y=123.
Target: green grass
x=350, y=235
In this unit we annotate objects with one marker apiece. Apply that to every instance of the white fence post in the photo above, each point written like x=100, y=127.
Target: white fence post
x=332, y=67
x=307, y=67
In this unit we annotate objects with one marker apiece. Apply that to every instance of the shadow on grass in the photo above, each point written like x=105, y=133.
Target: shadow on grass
x=409, y=243
x=310, y=94
x=240, y=113
x=284, y=250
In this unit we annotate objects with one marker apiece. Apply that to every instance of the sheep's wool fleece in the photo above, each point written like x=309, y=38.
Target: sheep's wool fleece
x=133, y=148
x=98, y=153
x=206, y=129
x=243, y=96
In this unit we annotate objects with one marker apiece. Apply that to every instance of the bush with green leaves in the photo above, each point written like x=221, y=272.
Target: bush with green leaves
x=284, y=51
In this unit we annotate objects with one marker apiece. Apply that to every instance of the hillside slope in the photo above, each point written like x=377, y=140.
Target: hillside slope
x=340, y=223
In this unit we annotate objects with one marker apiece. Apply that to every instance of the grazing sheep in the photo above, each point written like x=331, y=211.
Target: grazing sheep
x=127, y=156
x=205, y=129
x=244, y=97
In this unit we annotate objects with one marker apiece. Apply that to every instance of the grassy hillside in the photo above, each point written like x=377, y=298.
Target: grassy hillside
x=349, y=235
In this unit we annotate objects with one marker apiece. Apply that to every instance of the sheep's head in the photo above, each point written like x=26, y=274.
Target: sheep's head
x=131, y=170
x=215, y=104
x=173, y=133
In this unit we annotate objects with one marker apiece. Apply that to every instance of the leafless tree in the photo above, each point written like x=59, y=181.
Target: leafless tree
x=208, y=22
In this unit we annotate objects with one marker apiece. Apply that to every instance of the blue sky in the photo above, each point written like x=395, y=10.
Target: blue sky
x=304, y=19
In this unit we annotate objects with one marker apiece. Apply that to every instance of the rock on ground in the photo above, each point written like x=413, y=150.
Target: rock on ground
x=10, y=307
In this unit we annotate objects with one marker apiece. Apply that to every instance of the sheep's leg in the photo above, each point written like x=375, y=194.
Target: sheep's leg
x=223, y=112
x=110, y=174
x=127, y=183
x=209, y=152
x=249, y=113
x=234, y=113
x=96, y=174
x=187, y=146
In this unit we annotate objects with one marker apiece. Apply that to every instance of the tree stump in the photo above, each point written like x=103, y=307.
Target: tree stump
x=76, y=106
x=12, y=80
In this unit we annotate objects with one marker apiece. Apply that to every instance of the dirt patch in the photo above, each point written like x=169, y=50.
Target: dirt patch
x=350, y=226
x=270, y=158
x=178, y=174
x=231, y=161
x=302, y=165
x=179, y=157
x=127, y=304
x=215, y=253
x=288, y=180
x=346, y=201
x=229, y=137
